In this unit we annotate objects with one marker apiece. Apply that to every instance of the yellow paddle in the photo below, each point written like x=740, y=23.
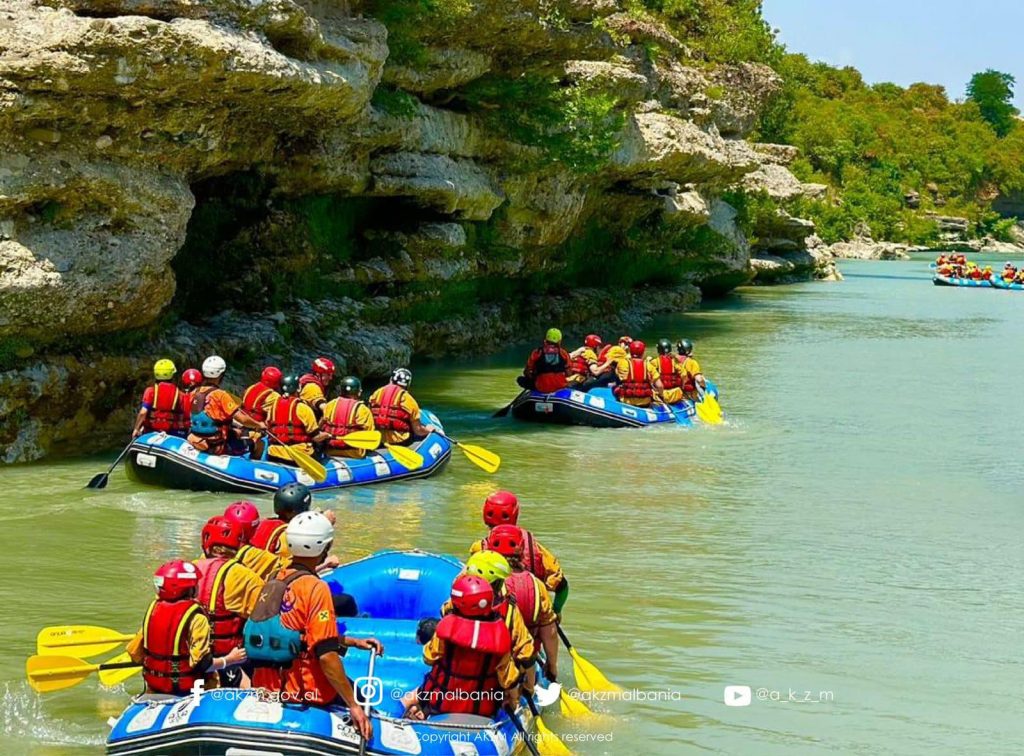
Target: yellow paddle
x=486, y=460
x=709, y=410
x=588, y=677
x=78, y=640
x=313, y=468
x=111, y=675
x=364, y=439
x=573, y=708
x=405, y=456
x=50, y=673
x=548, y=744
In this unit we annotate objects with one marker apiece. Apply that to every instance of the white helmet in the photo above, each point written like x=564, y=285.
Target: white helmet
x=214, y=367
x=401, y=377
x=309, y=534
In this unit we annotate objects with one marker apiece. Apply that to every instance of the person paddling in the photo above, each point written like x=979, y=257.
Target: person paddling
x=547, y=365
x=502, y=508
x=396, y=414
x=174, y=645
x=583, y=360
x=313, y=385
x=266, y=551
x=163, y=407
x=292, y=423
x=694, y=383
x=637, y=377
x=213, y=412
x=344, y=415
x=295, y=618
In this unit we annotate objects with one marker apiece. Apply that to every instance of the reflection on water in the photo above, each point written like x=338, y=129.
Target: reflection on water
x=853, y=528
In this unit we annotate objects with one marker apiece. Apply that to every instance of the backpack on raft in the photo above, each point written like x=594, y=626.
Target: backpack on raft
x=267, y=641
x=202, y=423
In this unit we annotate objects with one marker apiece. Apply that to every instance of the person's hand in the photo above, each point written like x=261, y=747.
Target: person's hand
x=235, y=657
x=137, y=432
x=361, y=722
x=368, y=643
x=550, y=671
x=330, y=562
x=262, y=426
x=329, y=514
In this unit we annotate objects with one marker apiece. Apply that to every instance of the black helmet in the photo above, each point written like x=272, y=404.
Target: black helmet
x=290, y=385
x=350, y=386
x=685, y=346
x=401, y=377
x=292, y=498
x=664, y=346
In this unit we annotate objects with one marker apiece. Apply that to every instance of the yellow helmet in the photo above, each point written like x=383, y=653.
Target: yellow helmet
x=553, y=335
x=164, y=370
x=490, y=565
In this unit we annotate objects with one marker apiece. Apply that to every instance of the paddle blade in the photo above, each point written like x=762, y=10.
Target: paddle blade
x=110, y=678
x=573, y=708
x=313, y=468
x=406, y=457
x=99, y=480
x=49, y=673
x=82, y=641
x=549, y=744
x=707, y=414
x=364, y=439
x=589, y=677
x=486, y=460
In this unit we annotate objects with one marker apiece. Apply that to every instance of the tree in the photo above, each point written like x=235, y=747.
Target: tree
x=993, y=93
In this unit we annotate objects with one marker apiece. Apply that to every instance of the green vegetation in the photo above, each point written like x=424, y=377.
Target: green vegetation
x=992, y=92
x=874, y=144
x=395, y=102
x=408, y=21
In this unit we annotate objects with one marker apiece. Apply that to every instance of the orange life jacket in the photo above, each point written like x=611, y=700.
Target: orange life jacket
x=254, y=398
x=636, y=385
x=465, y=679
x=390, y=414
x=268, y=535
x=168, y=412
x=670, y=379
x=342, y=422
x=226, y=626
x=284, y=421
x=523, y=588
x=166, y=664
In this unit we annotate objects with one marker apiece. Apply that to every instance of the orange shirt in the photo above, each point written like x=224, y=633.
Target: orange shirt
x=220, y=406
x=307, y=607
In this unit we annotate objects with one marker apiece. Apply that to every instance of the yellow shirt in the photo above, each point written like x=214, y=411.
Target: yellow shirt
x=261, y=562
x=616, y=355
x=242, y=588
x=312, y=394
x=553, y=575
x=522, y=641
x=307, y=417
x=622, y=370
x=408, y=404
x=363, y=420
x=690, y=366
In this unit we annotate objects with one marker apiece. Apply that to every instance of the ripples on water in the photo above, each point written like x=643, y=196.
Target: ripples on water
x=854, y=528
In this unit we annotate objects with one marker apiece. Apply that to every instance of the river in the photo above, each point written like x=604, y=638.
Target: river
x=851, y=536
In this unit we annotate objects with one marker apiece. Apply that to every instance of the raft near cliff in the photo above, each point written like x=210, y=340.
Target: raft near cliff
x=965, y=282
x=169, y=462
x=598, y=409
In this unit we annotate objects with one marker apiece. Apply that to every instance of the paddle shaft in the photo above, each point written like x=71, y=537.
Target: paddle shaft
x=104, y=476
x=561, y=634
x=522, y=731
x=83, y=668
x=366, y=706
x=505, y=410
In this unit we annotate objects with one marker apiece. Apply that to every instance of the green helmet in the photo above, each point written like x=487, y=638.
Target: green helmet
x=685, y=346
x=290, y=385
x=554, y=336
x=350, y=386
x=490, y=565
x=664, y=346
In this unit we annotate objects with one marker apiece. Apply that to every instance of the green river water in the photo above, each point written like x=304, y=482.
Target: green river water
x=852, y=535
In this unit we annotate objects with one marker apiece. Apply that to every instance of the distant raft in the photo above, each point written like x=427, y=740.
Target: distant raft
x=1001, y=284
x=598, y=408
x=393, y=590
x=157, y=459
x=968, y=282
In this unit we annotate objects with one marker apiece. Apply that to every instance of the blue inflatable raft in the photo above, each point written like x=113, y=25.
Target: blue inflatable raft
x=598, y=408
x=998, y=283
x=968, y=282
x=171, y=462
x=393, y=590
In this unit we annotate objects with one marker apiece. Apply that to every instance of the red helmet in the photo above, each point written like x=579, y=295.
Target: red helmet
x=176, y=579
x=507, y=540
x=625, y=340
x=271, y=376
x=501, y=508
x=191, y=377
x=246, y=515
x=323, y=366
x=472, y=596
x=637, y=348
x=221, y=531
x=593, y=341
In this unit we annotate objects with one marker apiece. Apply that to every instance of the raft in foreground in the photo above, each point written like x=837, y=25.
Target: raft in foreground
x=170, y=462
x=395, y=589
x=598, y=408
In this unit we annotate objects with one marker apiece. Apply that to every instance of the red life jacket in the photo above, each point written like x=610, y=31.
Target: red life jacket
x=670, y=379
x=523, y=587
x=465, y=679
x=689, y=384
x=636, y=385
x=226, y=626
x=254, y=398
x=168, y=412
x=533, y=561
x=603, y=353
x=342, y=422
x=166, y=664
x=285, y=423
x=311, y=378
x=550, y=358
x=579, y=366
x=268, y=535
x=390, y=414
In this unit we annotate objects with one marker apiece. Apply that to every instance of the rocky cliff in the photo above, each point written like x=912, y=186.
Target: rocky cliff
x=275, y=178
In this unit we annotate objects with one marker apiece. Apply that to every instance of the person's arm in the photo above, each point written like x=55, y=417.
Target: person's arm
x=549, y=640
x=140, y=419
x=242, y=589
x=366, y=644
x=334, y=670
x=244, y=418
x=418, y=428
x=134, y=648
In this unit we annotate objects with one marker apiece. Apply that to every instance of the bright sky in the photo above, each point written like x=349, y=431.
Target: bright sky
x=905, y=41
